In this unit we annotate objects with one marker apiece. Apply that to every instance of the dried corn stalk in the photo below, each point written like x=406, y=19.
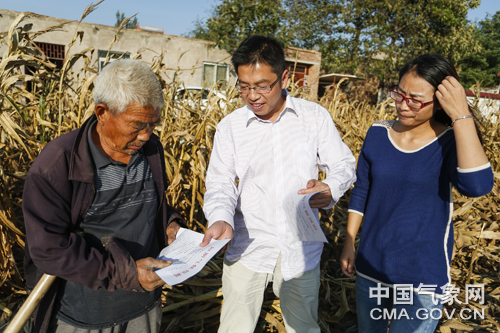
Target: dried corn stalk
x=37, y=107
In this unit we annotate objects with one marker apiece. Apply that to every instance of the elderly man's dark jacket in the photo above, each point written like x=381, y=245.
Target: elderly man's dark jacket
x=58, y=192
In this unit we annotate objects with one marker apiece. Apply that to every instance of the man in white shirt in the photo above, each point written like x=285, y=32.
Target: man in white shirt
x=262, y=152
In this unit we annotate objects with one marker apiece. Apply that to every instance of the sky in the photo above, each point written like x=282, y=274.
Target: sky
x=176, y=17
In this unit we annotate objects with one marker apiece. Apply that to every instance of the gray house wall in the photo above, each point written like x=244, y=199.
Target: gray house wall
x=187, y=54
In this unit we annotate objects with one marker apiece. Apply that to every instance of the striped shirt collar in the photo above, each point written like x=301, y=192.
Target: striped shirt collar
x=101, y=160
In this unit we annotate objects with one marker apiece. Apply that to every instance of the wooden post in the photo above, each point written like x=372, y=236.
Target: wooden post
x=30, y=304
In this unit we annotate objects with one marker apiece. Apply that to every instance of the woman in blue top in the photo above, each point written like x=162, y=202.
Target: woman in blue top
x=405, y=173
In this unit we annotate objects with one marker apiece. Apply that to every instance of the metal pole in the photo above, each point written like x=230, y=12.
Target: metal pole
x=30, y=304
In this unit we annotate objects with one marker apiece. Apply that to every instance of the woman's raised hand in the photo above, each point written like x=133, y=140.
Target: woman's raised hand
x=452, y=98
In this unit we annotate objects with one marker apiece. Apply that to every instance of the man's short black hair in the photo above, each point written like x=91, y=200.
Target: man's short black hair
x=257, y=49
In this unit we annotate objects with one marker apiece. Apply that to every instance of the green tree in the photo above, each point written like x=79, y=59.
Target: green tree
x=293, y=22
x=200, y=31
x=232, y=21
x=482, y=67
x=356, y=36
x=132, y=24
x=378, y=36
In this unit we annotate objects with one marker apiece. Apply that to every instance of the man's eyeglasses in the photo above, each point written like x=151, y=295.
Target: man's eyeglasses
x=258, y=89
x=412, y=103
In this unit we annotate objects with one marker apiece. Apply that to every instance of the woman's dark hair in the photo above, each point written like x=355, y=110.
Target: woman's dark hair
x=260, y=49
x=434, y=68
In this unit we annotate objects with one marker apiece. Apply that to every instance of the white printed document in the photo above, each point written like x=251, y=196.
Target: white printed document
x=188, y=257
x=302, y=221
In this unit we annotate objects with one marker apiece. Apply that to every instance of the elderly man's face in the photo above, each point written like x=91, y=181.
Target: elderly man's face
x=123, y=135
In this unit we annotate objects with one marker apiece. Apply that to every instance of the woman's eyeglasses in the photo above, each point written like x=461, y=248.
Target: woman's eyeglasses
x=412, y=103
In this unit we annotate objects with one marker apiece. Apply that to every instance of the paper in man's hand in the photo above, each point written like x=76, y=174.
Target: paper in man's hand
x=188, y=257
x=301, y=219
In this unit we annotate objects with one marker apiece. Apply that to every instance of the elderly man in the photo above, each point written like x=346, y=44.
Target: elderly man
x=96, y=214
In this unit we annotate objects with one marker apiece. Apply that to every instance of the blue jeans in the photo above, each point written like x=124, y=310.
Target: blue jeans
x=374, y=313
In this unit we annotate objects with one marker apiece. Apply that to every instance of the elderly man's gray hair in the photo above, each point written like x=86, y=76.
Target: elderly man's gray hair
x=125, y=82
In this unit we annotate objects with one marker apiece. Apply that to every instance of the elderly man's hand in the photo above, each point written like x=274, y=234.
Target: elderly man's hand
x=148, y=279
x=172, y=230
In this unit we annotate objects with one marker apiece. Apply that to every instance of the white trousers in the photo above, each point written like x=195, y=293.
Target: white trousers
x=243, y=293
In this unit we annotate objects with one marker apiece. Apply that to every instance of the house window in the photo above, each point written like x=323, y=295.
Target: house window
x=54, y=52
x=299, y=73
x=112, y=57
x=215, y=73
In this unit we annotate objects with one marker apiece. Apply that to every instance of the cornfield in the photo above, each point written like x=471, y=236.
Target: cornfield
x=44, y=104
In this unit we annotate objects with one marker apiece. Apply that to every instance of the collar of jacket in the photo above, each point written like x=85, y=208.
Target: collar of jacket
x=81, y=167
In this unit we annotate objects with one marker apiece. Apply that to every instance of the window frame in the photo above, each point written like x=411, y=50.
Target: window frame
x=216, y=64
x=113, y=56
